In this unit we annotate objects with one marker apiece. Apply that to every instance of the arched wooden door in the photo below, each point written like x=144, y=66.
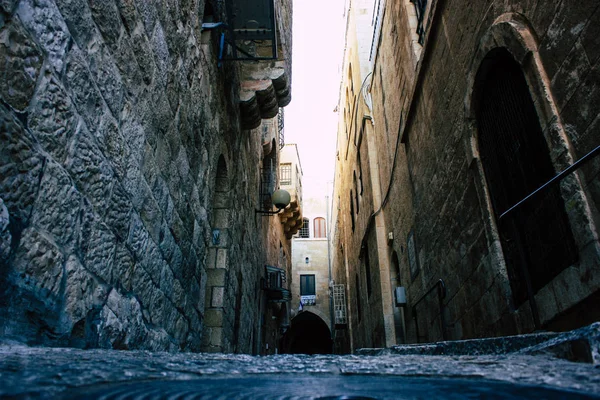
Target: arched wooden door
x=537, y=241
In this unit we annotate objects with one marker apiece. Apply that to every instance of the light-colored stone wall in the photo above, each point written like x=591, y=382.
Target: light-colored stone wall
x=425, y=151
x=314, y=250
x=113, y=119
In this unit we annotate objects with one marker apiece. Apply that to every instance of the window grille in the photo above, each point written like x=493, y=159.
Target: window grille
x=285, y=174
x=275, y=284
x=304, y=231
x=339, y=305
x=420, y=8
x=267, y=183
x=280, y=128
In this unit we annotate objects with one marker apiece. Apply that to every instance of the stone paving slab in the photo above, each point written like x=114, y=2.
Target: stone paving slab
x=512, y=367
x=30, y=372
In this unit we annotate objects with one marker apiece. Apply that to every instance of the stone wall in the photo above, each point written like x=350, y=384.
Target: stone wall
x=432, y=182
x=459, y=243
x=113, y=118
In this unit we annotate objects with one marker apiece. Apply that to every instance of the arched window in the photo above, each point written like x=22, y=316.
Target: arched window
x=536, y=237
x=304, y=231
x=319, y=228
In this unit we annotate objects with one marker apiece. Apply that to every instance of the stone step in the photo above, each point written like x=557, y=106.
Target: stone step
x=582, y=345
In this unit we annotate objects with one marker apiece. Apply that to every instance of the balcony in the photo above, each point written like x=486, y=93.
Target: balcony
x=421, y=10
x=274, y=285
x=291, y=217
x=258, y=34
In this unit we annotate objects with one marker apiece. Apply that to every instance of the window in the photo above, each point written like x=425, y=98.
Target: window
x=339, y=304
x=285, y=174
x=275, y=284
x=360, y=177
x=421, y=9
x=307, y=285
x=319, y=228
x=304, y=231
x=268, y=179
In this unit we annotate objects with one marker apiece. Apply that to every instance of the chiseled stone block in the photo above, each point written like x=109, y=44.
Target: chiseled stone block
x=20, y=65
x=213, y=317
x=218, y=293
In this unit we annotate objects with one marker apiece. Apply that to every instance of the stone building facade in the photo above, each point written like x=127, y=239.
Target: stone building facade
x=450, y=114
x=312, y=325
x=130, y=175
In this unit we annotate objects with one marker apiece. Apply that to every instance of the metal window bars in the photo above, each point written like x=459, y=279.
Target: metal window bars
x=275, y=284
x=267, y=184
x=304, y=230
x=285, y=174
x=420, y=8
x=339, y=305
x=280, y=128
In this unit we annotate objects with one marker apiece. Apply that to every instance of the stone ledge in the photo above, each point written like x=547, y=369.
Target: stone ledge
x=581, y=345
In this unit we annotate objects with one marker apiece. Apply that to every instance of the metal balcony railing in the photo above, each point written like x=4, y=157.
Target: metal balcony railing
x=280, y=118
x=420, y=8
x=275, y=284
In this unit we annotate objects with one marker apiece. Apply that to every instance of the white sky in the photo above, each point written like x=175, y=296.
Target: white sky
x=310, y=120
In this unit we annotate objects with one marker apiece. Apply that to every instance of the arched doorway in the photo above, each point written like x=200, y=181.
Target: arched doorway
x=308, y=334
x=217, y=269
x=536, y=238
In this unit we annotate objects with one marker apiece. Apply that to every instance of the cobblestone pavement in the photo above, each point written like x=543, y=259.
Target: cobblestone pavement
x=29, y=372
x=543, y=365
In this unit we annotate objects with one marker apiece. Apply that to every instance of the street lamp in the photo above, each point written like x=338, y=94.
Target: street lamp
x=280, y=199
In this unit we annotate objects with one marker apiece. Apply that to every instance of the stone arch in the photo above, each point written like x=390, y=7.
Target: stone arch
x=513, y=34
x=217, y=265
x=537, y=241
x=309, y=334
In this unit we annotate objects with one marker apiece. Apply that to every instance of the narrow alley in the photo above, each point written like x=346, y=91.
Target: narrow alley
x=531, y=367
x=304, y=199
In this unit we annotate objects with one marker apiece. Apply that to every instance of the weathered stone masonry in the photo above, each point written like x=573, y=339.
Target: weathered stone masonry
x=113, y=117
x=424, y=138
